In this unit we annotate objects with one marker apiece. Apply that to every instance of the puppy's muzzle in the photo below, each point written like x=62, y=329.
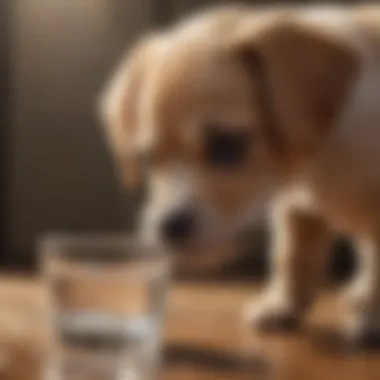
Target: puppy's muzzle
x=178, y=227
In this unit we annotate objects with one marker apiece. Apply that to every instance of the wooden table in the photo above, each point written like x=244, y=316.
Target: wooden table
x=204, y=339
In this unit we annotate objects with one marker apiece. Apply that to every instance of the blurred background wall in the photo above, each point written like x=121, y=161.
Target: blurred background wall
x=4, y=118
x=60, y=173
x=57, y=173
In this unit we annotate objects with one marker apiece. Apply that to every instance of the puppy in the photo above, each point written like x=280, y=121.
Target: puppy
x=239, y=108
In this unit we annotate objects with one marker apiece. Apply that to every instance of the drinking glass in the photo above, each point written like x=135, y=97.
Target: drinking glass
x=107, y=295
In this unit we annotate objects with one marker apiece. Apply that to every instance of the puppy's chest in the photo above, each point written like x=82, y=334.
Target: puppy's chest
x=343, y=181
x=349, y=202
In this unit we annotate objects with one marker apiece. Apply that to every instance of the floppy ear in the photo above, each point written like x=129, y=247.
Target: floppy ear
x=308, y=77
x=119, y=109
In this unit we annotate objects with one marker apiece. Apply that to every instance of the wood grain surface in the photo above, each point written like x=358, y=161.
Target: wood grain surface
x=204, y=338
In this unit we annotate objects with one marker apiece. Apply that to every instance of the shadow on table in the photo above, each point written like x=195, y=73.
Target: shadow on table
x=210, y=358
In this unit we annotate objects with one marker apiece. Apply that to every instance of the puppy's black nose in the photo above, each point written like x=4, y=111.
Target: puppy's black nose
x=177, y=227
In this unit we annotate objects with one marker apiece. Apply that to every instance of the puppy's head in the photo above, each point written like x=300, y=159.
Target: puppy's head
x=225, y=109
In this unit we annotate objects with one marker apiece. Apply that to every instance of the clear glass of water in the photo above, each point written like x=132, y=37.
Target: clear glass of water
x=107, y=296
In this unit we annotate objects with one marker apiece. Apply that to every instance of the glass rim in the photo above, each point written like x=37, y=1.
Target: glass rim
x=129, y=245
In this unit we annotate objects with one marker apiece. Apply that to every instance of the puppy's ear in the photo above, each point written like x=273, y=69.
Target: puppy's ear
x=307, y=78
x=119, y=106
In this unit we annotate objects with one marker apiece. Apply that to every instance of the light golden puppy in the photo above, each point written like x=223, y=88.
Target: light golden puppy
x=238, y=108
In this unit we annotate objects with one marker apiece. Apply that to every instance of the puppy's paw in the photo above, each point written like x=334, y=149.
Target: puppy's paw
x=357, y=295
x=271, y=314
x=362, y=320
x=362, y=331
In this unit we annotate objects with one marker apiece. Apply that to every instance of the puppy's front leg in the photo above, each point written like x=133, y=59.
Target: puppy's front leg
x=299, y=251
x=362, y=296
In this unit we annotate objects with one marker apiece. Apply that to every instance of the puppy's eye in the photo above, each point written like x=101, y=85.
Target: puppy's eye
x=225, y=149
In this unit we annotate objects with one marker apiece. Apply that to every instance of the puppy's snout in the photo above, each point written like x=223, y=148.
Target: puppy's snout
x=178, y=226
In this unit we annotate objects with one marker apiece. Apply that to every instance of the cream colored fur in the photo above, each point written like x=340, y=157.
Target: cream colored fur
x=324, y=178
